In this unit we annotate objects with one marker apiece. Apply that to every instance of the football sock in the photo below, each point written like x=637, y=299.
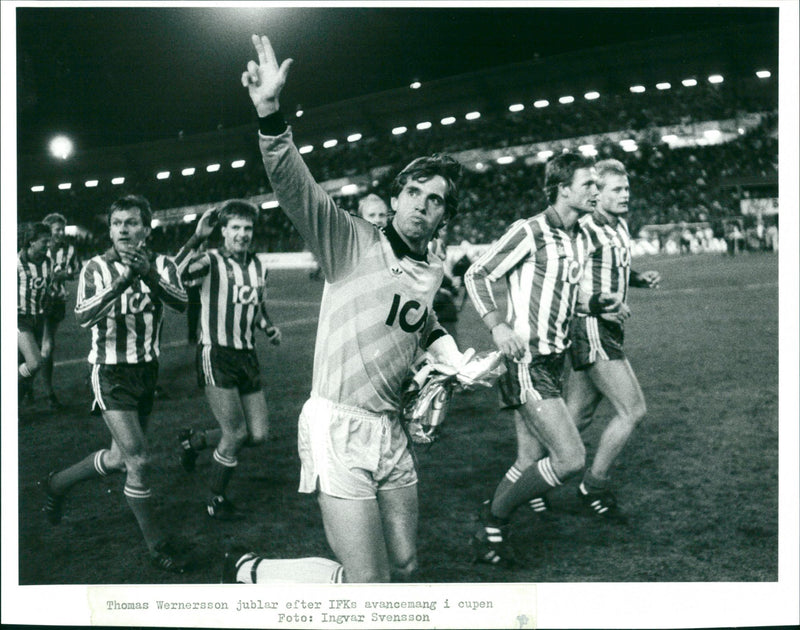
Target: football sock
x=534, y=481
x=221, y=472
x=199, y=440
x=140, y=501
x=89, y=467
x=252, y=569
x=591, y=483
x=47, y=373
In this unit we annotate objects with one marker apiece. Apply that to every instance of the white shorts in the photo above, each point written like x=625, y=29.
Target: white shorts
x=352, y=453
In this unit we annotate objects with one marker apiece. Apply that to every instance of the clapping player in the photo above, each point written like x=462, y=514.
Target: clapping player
x=121, y=299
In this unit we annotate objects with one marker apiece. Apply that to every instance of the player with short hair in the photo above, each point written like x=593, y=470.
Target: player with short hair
x=374, y=209
x=376, y=313
x=541, y=260
x=600, y=368
x=65, y=266
x=121, y=298
x=233, y=306
x=34, y=273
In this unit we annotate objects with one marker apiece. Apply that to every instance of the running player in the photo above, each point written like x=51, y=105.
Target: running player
x=541, y=259
x=65, y=267
x=232, y=299
x=375, y=314
x=33, y=278
x=121, y=298
x=599, y=366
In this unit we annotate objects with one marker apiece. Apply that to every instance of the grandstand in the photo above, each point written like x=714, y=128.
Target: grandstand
x=689, y=133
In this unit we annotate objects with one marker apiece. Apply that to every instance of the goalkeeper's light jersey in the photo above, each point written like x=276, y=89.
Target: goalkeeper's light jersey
x=608, y=265
x=541, y=264
x=377, y=304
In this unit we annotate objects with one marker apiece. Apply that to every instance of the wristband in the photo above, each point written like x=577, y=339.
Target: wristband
x=272, y=124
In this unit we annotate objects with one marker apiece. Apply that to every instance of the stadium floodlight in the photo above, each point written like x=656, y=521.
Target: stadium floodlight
x=541, y=103
x=188, y=218
x=187, y=172
x=664, y=85
x=238, y=163
x=591, y=96
x=155, y=223
x=713, y=135
x=423, y=125
x=544, y=155
x=212, y=168
x=627, y=141
x=299, y=113
x=349, y=189
x=162, y=175
x=630, y=148
x=479, y=166
x=763, y=74
x=669, y=138
x=689, y=82
x=516, y=107
x=116, y=181
x=61, y=147
x=473, y=116
x=716, y=78
x=65, y=186
x=506, y=159
x=448, y=120
x=307, y=148
x=273, y=203
x=398, y=131
x=38, y=188
x=91, y=183
x=566, y=100
x=637, y=89
x=354, y=137
x=740, y=130
x=588, y=150
x=415, y=85
x=329, y=144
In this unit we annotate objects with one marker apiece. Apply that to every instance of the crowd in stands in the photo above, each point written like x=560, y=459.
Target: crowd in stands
x=668, y=185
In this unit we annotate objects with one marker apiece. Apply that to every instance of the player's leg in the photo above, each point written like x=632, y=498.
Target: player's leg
x=256, y=416
x=51, y=324
x=227, y=409
x=31, y=355
x=399, y=508
x=617, y=381
x=354, y=530
x=581, y=396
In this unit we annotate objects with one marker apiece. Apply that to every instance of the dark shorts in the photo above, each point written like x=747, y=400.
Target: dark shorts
x=228, y=368
x=539, y=379
x=594, y=339
x=55, y=310
x=125, y=387
x=33, y=324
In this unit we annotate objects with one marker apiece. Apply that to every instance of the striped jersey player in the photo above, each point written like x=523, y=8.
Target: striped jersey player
x=126, y=325
x=541, y=263
x=33, y=280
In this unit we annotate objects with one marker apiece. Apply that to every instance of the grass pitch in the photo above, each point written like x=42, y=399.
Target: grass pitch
x=699, y=478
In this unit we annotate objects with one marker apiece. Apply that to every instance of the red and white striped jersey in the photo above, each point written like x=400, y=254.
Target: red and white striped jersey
x=62, y=259
x=377, y=304
x=608, y=264
x=542, y=265
x=126, y=324
x=231, y=294
x=32, y=284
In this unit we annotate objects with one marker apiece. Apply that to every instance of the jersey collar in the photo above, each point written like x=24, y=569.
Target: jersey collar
x=400, y=247
x=554, y=220
x=228, y=254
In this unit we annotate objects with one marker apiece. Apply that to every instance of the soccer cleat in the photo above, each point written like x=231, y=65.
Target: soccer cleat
x=53, y=503
x=231, y=561
x=188, y=454
x=601, y=504
x=489, y=543
x=541, y=507
x=222, y=509
x=164, y=557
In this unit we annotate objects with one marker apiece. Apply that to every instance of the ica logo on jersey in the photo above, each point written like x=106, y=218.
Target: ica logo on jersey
x=571, y=271
x=407, y=314
x=37, y=282
x=135, y=302
x=245, y=294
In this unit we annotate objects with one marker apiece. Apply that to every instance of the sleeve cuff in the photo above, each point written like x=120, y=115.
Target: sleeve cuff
x=272, y=125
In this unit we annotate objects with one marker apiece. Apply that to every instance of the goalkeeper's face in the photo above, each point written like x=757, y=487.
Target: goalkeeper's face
x=419, y=209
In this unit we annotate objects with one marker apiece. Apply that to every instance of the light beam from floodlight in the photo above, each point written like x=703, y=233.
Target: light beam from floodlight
x=61, y=147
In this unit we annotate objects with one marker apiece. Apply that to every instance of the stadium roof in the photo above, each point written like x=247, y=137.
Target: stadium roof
x=110, y=76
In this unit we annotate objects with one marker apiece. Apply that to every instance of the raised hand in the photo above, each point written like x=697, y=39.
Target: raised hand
x=652, y=278
x=265, y=80
x=206, y=224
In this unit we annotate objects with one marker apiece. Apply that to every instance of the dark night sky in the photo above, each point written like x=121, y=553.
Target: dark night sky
x=110, y=76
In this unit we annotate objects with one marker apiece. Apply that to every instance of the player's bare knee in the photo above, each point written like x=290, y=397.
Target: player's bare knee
x=34, y=365
x=404, y=572
x=367, y=575
x=137, y=466
x=570, y=460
